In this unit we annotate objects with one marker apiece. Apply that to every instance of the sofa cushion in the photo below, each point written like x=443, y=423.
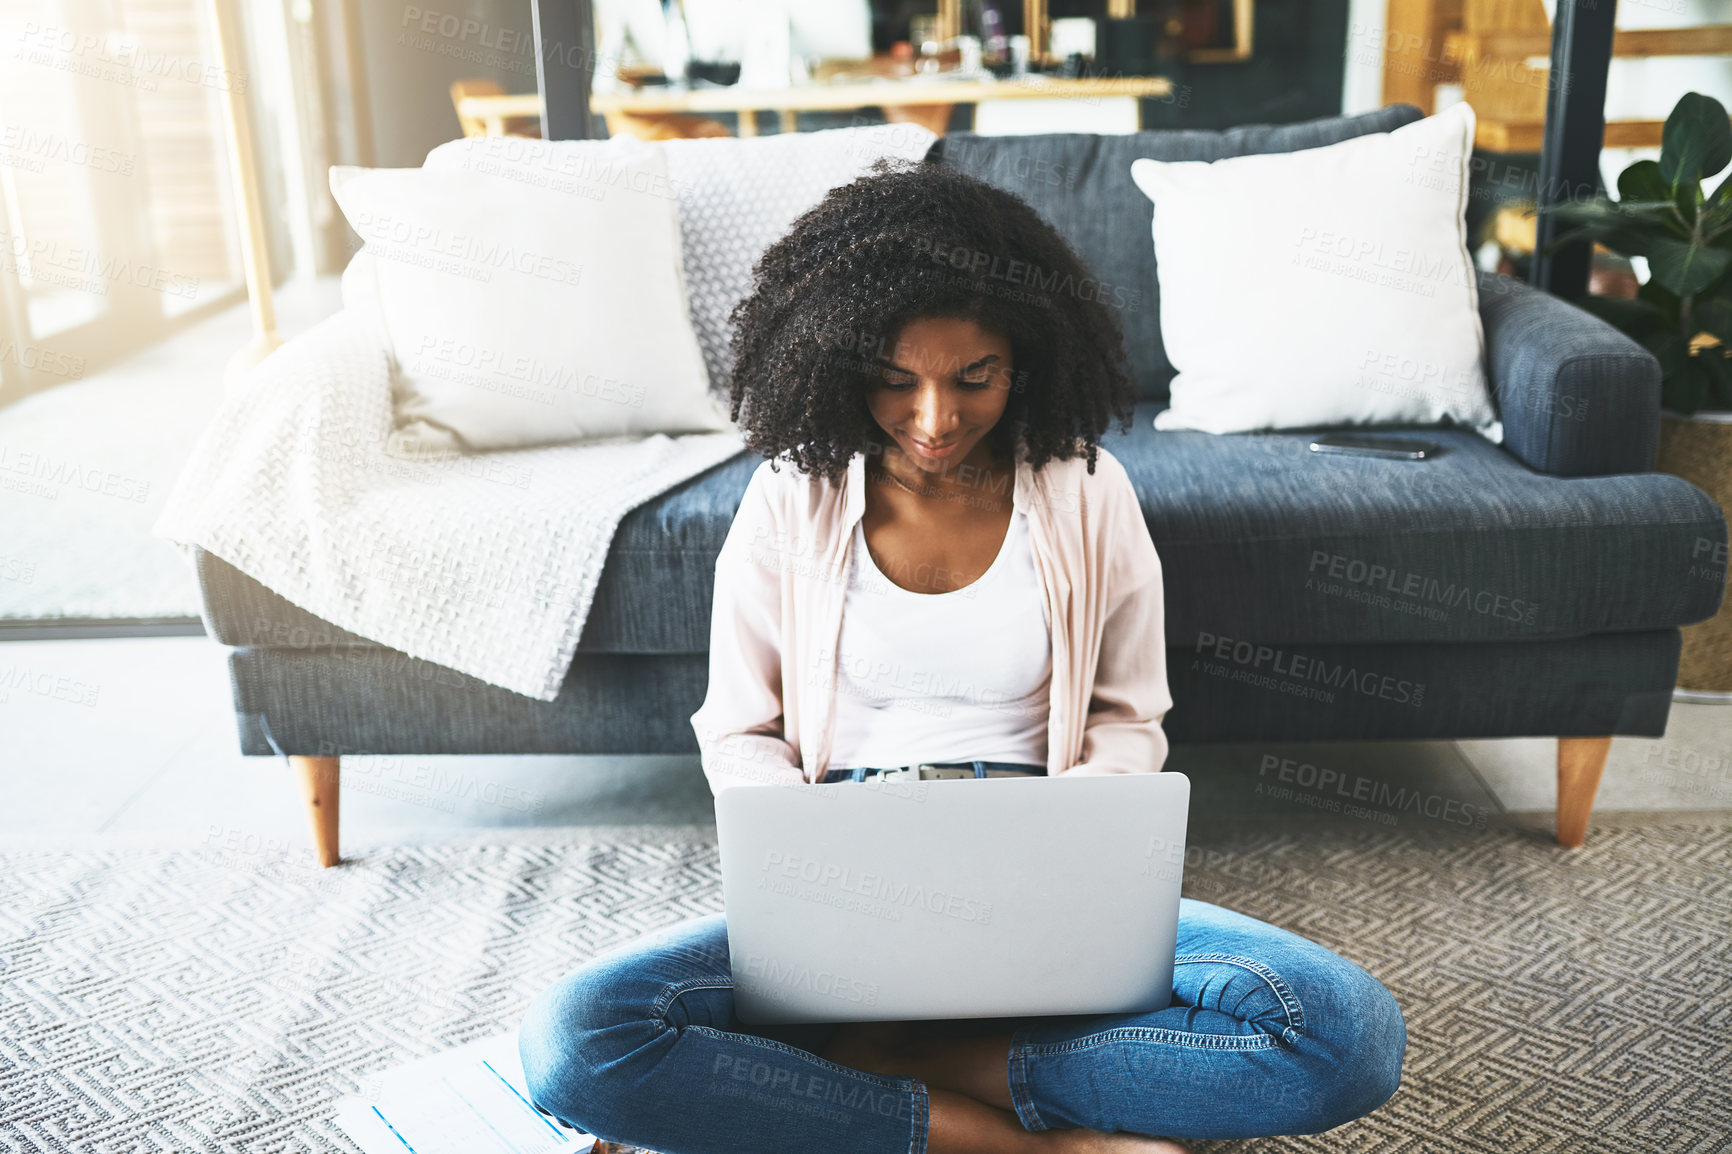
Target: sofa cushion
x=1264, y=541
x=1260, y=540
x=1081, y=182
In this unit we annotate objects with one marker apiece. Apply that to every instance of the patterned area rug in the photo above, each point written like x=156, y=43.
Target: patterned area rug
x=224, y=997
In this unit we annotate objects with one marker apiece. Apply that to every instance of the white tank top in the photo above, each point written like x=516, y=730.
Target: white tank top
x=943, y=676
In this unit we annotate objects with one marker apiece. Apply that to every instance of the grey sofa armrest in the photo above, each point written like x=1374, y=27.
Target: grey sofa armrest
x=1577, y=397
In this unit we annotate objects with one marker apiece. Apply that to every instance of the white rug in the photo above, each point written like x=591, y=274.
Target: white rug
x=225, y=997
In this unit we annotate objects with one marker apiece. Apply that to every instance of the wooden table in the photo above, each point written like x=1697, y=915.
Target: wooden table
x=922, y=101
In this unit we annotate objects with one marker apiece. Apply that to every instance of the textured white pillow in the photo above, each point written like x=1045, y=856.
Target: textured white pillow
x=737, y=197
x=525, y=315
x=1330, y=286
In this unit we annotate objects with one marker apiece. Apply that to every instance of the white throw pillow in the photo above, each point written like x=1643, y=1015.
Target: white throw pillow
x=524, y=315
x=360, y=294
x=560, y=165
x=735, y=198
x=1330, y=286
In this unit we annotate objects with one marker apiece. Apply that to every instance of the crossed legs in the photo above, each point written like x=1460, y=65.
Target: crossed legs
x=1268, y=1034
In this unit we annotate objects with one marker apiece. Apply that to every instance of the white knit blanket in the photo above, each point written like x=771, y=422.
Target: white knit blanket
x=485, y=563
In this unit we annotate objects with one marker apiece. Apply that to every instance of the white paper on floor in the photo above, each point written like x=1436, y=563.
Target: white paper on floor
x=471, y=1100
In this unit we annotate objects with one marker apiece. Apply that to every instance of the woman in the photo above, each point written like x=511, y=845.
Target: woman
x=954, y=575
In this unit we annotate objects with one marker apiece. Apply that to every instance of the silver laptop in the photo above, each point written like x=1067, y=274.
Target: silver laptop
x=901, y=900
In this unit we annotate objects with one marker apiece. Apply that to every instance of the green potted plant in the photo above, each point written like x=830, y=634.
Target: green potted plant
x=1683, y=315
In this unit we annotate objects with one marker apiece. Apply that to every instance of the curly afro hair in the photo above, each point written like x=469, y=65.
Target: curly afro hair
x=910, y=241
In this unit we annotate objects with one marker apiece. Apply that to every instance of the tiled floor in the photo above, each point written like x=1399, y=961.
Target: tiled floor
x=135, y=739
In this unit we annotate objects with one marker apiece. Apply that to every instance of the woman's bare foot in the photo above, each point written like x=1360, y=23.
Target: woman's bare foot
x=1094, y=1142
x=957, y=1124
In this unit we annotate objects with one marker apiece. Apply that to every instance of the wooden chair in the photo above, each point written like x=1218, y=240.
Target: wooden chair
x=664, y=126
x=526, y=126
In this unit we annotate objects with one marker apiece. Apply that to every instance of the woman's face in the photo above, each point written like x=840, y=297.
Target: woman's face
x=944, y=382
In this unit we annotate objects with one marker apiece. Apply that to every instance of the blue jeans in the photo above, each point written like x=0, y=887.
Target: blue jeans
x=1268, y=1033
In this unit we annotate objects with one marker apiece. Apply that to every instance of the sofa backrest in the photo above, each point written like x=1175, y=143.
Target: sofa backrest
x=1081, y=182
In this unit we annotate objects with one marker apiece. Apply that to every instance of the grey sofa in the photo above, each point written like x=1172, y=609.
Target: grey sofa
x=1533, y=588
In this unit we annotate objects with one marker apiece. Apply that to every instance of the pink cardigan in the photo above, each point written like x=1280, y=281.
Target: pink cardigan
x=768, y=717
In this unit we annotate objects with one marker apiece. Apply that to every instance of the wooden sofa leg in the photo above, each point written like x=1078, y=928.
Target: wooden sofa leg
x=320, y=784
x=1580, y=762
